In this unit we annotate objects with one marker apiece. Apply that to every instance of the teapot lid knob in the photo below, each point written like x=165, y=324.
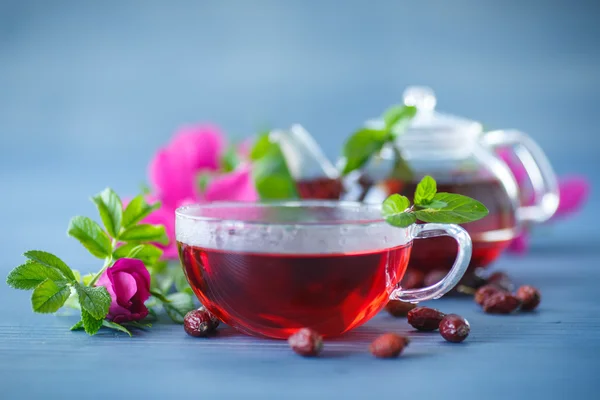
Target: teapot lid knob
x=421, y=97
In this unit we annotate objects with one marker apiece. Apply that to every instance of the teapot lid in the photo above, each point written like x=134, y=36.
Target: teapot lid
x=431, y=126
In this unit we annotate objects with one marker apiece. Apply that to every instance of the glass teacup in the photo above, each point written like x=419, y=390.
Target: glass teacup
x=268, y=269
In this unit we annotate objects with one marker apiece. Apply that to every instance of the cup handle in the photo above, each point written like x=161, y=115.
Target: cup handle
x=539, y=171
x=424, y=231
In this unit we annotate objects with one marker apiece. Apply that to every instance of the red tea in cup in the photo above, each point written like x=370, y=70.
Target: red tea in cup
x=270, y=269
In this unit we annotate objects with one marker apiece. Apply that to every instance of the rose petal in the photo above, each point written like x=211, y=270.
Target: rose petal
x=171, y=177
x=573, y=192
x=519, y=244
x=125, y=287
x=200, y=145
x=234, y=186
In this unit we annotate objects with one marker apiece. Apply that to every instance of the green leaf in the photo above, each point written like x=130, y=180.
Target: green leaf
x=77, y=275
x=49, y=296
x=136, y=210
x=29, y=275
x=261, y=147
x=180, y=304
x=361, y=146
x=401, y=170
x=90, y=235
x=77, y=326
x=270, y=173
x=52, y=261
x=459, y=209
x=110, y=209
x=434, y=204
x=398, y=117
x=394, y=211
x=91, y=324
x=94, y=300
x=139, y=325
x=145, y=233
x=425, y=191
x=230, y=159
x=147, y=253
x=86, y=279
x=115, y=326
x=202, y=181
x=181, y=283
x=159, y=295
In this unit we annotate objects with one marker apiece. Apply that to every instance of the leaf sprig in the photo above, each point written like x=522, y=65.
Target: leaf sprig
x=431, y=206
x=55, y=284
x=270, y=172
x=367, y=142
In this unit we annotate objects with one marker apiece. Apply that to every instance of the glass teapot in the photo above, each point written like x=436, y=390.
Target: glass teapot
x=463, y=159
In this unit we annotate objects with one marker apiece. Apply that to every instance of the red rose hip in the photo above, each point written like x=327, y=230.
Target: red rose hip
x=425, y=318
x=454, y=328
x=306, y=342
x=399, y=308
x=501, y=303
x=200, y=323
x=530, y=297
x=486, y=291
x=501, y=280
x=388, y=345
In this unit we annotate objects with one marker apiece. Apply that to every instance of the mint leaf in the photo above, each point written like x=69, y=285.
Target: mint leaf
x=52, y=261
x=110, y=209
x=90, y=235
x=147, y=253
x=91, y=325
x=145, y=233
x=94, y=300
x=425, y=191
x=261, y=147
x=394, y=210
x=29, y=275
x=361, y=146
x=115, y=326
x=181, y=283
x=435, y=204
x=77, y=326
x=179, y=305
x=230, y=160
x=398, y=117
x=49, y=296
x=459, y=209
x=270, y=173
x=136, y=210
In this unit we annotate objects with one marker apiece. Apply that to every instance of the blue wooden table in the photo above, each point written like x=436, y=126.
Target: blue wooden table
x=552, y=353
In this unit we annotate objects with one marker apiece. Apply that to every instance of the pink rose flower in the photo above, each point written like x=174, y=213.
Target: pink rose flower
x=174, y=173
x=128, y=283
x=573, y=191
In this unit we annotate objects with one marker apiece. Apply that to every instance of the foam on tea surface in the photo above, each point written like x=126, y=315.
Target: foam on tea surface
x=288, y=228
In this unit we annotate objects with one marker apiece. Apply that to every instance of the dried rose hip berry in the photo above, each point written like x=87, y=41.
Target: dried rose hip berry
x=425, y=318
x=530, y=297
x=454, y=328
x=501, y=303
x=388, y=345
x=412, y=279
x=399, y=308
x=501, y=280
x=434, y=277
x=306, y=342
x=200, y=322
x=486, y=291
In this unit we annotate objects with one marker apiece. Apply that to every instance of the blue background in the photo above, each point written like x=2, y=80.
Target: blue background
x=89, y=90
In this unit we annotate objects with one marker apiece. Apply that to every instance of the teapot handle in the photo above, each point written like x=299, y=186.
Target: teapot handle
x=538, y=168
